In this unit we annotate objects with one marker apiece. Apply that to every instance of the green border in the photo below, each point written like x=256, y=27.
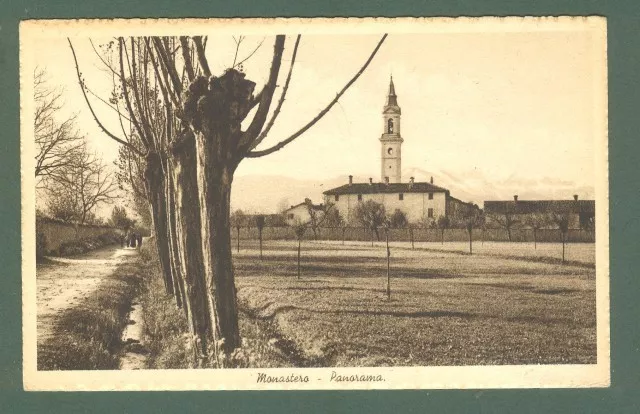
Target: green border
x=624, y=113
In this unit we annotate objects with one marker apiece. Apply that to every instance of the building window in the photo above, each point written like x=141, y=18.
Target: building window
x=400, y=196
x=430, y=196
x=337, y=197
x=430, y=213
x=390, y=126
x=359, y=197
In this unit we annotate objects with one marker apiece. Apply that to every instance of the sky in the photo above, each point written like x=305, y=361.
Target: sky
x=497, y=104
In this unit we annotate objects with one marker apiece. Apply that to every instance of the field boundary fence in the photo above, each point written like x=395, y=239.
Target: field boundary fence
x=419, y=234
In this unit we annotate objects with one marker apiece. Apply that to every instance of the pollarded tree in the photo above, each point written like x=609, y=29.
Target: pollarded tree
x=506, y=220
x=260, y=220
x=472, y=219
x=561, y=221
x=398, y=219
x=426, y=221
x=443, y=223
x=299, y=229
x=371, y=215
x=333, y=217
x=209, y=112
x=319, y=216
x=536, y=221
x=238, y=219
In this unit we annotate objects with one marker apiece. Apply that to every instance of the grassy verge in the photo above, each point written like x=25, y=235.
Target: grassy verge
x=87, y=336
x=166, y=335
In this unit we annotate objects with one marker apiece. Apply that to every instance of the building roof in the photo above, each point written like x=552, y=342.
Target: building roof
x=380, y=188
x=540, y=206
x=304, y=203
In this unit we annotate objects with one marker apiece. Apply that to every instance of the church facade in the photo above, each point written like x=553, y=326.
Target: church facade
x=418, y=200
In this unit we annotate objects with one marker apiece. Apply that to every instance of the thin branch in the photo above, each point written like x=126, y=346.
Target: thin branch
x=106, y=103
x=170, y=69
x=250, y=54
x=266, y=96
x=188, y=65
x=102, y=59
x=125, y=92
x=238, y=43
x=202, y=59
x=86, y=98
x=281, y=144
x=276, y=112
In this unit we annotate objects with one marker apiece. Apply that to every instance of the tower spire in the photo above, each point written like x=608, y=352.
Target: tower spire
x=392, y=99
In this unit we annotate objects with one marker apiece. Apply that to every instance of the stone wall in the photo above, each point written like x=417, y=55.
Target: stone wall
x=55, y=233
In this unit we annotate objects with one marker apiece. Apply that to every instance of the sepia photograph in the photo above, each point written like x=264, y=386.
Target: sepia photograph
x=272, y=204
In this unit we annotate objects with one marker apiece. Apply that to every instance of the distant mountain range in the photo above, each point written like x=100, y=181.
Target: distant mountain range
x=270, y=193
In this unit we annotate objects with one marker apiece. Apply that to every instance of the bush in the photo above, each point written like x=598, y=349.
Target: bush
x=41, y=245
x=75, y=247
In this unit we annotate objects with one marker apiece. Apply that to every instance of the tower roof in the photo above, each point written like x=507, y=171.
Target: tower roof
x=392, y=99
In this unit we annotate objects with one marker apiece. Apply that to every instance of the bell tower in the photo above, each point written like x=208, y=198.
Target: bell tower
x=391, y=140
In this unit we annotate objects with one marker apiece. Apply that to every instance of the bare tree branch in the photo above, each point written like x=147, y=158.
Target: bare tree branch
x=266, y=96
x=170, y=68
x=281, y=144
x=86, y=98
x=125, y=93
x=202, y=59
x=276, y=112
x=250, y=54
x=188, y=65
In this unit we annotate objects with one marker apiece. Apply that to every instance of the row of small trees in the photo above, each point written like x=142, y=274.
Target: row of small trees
x=373, y=216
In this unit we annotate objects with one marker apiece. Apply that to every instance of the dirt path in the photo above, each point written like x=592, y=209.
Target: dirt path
x=63, y=282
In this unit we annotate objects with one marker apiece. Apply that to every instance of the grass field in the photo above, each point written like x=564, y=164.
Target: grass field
x=506, y=304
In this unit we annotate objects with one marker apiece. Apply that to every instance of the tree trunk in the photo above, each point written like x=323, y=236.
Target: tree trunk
x=470, y=243
x=176, y=270
x=260, y=237
x=411, y=237
x=190, y=248
x=388, y=266
x=343, y=232
x=154, y=179
x=215, y=175
x=509, y=233
x=535, y=240
x=442, y=237
x=563, y=241
x=238, y=238
x=299, y=243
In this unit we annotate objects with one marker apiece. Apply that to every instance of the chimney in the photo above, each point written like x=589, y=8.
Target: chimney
x=386, y=180
x=350, y=179
x=431, y=180
x=575, y=197
x=370, y=181
x=515, y=197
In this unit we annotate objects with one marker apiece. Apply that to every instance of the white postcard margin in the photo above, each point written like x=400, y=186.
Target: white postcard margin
x=454, y=377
